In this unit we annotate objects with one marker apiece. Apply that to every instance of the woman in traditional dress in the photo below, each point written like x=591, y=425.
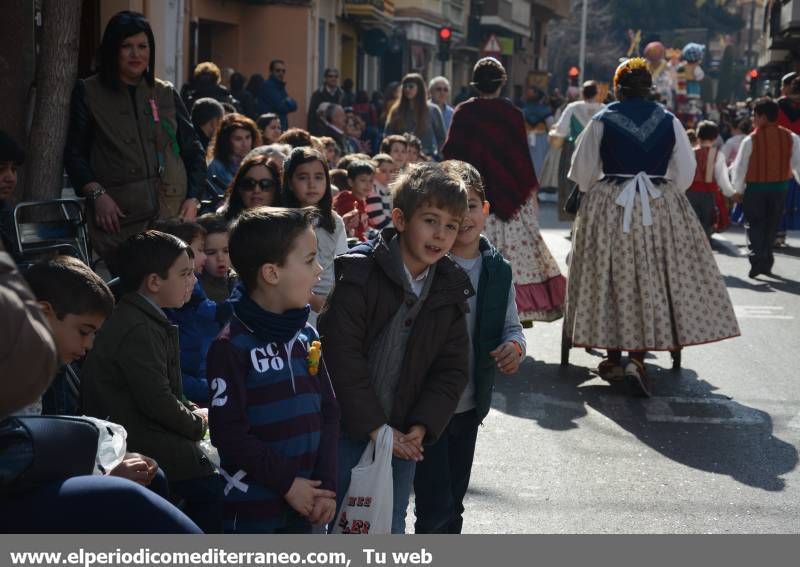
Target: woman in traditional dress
x=489, y=132
x=569, y=126
x=642, y=276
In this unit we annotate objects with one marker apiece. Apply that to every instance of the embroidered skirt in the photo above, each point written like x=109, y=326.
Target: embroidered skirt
x=656, y=287
x=538, y=283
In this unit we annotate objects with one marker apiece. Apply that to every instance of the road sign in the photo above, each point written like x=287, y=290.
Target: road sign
x=492, y=47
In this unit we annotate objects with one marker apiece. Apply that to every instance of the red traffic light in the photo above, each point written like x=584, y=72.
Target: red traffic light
x=445, y=34
x=753, y=73
x=573, y=71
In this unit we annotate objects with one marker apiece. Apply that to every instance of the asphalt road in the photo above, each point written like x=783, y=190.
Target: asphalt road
x=714, y=451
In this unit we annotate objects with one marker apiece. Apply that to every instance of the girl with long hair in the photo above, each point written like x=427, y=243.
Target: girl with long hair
x=236, y=136
x=413, y=113
x=306, y=183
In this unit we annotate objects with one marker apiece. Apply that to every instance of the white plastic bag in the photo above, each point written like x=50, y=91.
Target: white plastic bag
x=367, y=505
x=111, y=444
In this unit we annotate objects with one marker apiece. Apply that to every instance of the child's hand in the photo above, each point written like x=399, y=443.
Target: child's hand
x=352, y=219
x=507, y=357
x=303, y=493
x=323, y=512
x=405, y=448
x=202, y=413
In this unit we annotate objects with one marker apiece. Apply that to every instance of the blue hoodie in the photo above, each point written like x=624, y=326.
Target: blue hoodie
x=199, y=322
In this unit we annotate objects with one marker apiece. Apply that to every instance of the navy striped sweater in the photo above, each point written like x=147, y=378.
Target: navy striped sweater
x=271, y=422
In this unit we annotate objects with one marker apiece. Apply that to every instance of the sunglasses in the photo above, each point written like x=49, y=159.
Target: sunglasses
x=409, y=85
x=331, y=76
x=279, y=71
x=249, y=184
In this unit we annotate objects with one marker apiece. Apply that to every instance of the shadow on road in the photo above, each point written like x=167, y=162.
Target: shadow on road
x=686, y=421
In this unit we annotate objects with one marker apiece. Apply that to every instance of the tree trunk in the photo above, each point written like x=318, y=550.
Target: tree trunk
x=56, y=72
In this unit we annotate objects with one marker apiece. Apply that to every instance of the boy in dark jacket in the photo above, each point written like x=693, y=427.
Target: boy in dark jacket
x=395, y=329
x=274, y=417
x=132, y=376
x=498, y=343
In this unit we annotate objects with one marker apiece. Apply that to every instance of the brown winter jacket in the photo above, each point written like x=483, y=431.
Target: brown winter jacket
x=435, y=370
x=132, y=376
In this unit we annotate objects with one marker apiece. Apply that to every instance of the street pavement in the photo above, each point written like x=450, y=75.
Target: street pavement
x=715, y=450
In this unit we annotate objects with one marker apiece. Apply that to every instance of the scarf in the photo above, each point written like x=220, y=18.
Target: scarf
x=490, y=134
x=267, y=326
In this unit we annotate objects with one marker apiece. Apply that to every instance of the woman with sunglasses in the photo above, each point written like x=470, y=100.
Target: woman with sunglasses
x=413, y=113
x=257, y=184
x=131, y=149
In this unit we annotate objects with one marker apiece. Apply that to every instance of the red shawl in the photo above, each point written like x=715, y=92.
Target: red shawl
x=490, y=135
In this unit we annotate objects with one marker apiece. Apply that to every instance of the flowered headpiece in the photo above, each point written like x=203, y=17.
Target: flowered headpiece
x=627, y=67
x=693, y=52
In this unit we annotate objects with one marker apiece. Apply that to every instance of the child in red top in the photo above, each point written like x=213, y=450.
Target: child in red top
x=360, y=175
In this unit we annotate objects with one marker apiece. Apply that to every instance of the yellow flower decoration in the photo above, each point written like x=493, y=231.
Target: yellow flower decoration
x=314, y=355
x=628, y=66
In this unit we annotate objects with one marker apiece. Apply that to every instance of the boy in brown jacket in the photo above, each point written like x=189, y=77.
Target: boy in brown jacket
x=394, y=330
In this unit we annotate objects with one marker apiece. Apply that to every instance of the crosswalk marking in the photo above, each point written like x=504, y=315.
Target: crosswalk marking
x=760, y=312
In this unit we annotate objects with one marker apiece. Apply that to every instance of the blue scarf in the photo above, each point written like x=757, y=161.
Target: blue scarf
x=267, y=326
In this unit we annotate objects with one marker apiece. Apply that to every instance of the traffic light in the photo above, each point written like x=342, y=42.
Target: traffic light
x=445, y=37
x=752, y=82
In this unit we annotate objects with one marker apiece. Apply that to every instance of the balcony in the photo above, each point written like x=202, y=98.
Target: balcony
x=790, y=18
x=371, y=11
x=512, y=16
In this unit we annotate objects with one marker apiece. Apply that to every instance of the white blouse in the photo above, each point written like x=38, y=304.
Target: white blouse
x=587, y=167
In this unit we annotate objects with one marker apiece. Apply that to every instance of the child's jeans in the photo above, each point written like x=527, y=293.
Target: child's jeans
x=350, y=452
x=442, y=477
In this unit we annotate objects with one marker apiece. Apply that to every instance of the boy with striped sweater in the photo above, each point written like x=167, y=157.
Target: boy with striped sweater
x=273, y=417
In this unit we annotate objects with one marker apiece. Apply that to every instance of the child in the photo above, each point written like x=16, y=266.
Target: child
x=395, y=330
x=332, y=153
x=414, y=152
x=710, y=177
x=274, y=417
x=352, y=204
x=200, y=320
x=133, y=374
x=306, y=184
x=379, y=201
x=338, y=180
x=76, y=303
x=216, y=279
x=498, y=343
x=397, y=147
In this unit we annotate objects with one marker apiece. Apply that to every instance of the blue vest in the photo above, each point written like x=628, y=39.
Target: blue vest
x=637, y=136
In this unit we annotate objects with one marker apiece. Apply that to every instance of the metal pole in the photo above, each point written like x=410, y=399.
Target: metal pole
x=750, y=35
x=582, y=57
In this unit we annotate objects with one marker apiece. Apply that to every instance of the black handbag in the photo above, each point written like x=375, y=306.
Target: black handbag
x=40, y=449
x=573, y=202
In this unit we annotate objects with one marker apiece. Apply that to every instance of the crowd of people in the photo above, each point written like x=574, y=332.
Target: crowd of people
x=282, y=295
